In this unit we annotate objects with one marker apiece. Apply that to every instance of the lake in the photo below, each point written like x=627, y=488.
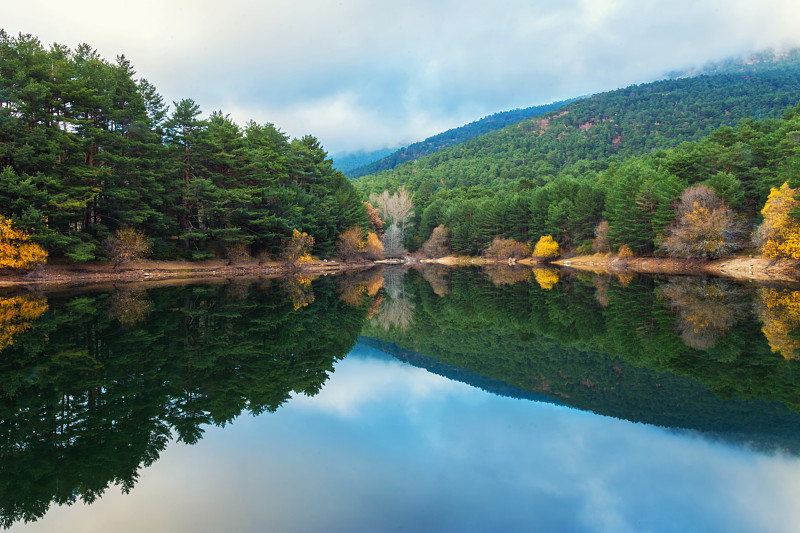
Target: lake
x=403, y=400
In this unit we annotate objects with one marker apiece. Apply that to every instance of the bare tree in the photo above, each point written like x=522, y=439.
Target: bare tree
x=393, y=242
x=397, y=208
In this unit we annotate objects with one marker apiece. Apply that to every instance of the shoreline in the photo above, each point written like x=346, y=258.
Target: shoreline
x=75, y=274
x=739, y=268
x=159, y=272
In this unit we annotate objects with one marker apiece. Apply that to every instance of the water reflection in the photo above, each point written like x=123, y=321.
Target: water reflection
x=678, y=352
x=94, y=391
x=388, y=447
x=96, y=385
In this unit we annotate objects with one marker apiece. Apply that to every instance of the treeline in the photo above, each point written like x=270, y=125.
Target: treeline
x=86, y=149
x=452, y=136
x=622, y=157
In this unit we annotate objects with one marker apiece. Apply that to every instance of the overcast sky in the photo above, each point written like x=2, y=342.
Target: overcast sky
x=365, y=74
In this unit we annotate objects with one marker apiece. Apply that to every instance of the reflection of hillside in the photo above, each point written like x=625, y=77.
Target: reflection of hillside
x=625, y=353
x=88, y=402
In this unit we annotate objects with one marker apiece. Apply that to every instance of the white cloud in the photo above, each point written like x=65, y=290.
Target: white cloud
x=393, y=72
x=365, y=381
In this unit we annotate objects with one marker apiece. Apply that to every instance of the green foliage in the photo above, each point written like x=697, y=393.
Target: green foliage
x=451, y=137
x=85, y=149
x=623, y=156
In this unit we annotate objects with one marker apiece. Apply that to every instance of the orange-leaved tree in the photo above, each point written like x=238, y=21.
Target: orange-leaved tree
x=779, y=234
x=374, y=247
x=15, y=249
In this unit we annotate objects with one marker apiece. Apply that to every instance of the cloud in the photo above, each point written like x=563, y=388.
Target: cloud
x=361, y=74
x=367, y=378
x=389, y=447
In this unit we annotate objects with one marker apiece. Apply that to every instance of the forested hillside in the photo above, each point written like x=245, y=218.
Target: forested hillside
x=452, y=136
x=622, y=157
x=87, y=149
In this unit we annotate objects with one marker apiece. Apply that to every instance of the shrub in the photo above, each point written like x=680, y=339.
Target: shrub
x=128, y=245
x=505, y=248
x=237, y=251
x=705, y=227
x=624, y=252
x=350, y=244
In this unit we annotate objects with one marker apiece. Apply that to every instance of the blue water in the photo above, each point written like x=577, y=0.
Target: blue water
x=386, y=446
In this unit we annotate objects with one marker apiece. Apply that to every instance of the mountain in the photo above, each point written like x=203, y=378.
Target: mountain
x=348, y=161
x=448, y=138
x=596, y=131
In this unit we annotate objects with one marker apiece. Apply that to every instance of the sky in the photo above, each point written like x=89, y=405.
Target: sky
x=366, y=75
x=390, y=447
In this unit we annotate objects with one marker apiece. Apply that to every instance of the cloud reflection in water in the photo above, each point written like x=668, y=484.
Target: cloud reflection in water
x=389, y=447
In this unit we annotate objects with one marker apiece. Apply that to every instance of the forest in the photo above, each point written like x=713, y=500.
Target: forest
x=94, y=165
x=87, y=149
x=642, y=167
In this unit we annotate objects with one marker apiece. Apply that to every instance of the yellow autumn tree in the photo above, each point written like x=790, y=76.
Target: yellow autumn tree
x=779, y=234
x=374, y=247
x=15, y=249
x=546, y=249
x=298, y=250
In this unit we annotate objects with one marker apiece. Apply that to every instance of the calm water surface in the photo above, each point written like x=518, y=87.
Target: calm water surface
x=255, y=407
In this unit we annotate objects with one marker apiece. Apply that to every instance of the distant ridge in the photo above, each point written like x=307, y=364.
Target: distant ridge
x=449, y=138
x=591, y=133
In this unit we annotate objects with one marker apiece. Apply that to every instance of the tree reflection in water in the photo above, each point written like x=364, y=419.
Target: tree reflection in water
x=95, y=387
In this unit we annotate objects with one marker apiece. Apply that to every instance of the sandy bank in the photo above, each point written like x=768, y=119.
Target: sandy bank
x=71, y=274
x=745, y=268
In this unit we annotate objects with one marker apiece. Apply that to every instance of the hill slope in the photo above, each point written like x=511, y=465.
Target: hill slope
x=451, y=137
x=604, y=128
